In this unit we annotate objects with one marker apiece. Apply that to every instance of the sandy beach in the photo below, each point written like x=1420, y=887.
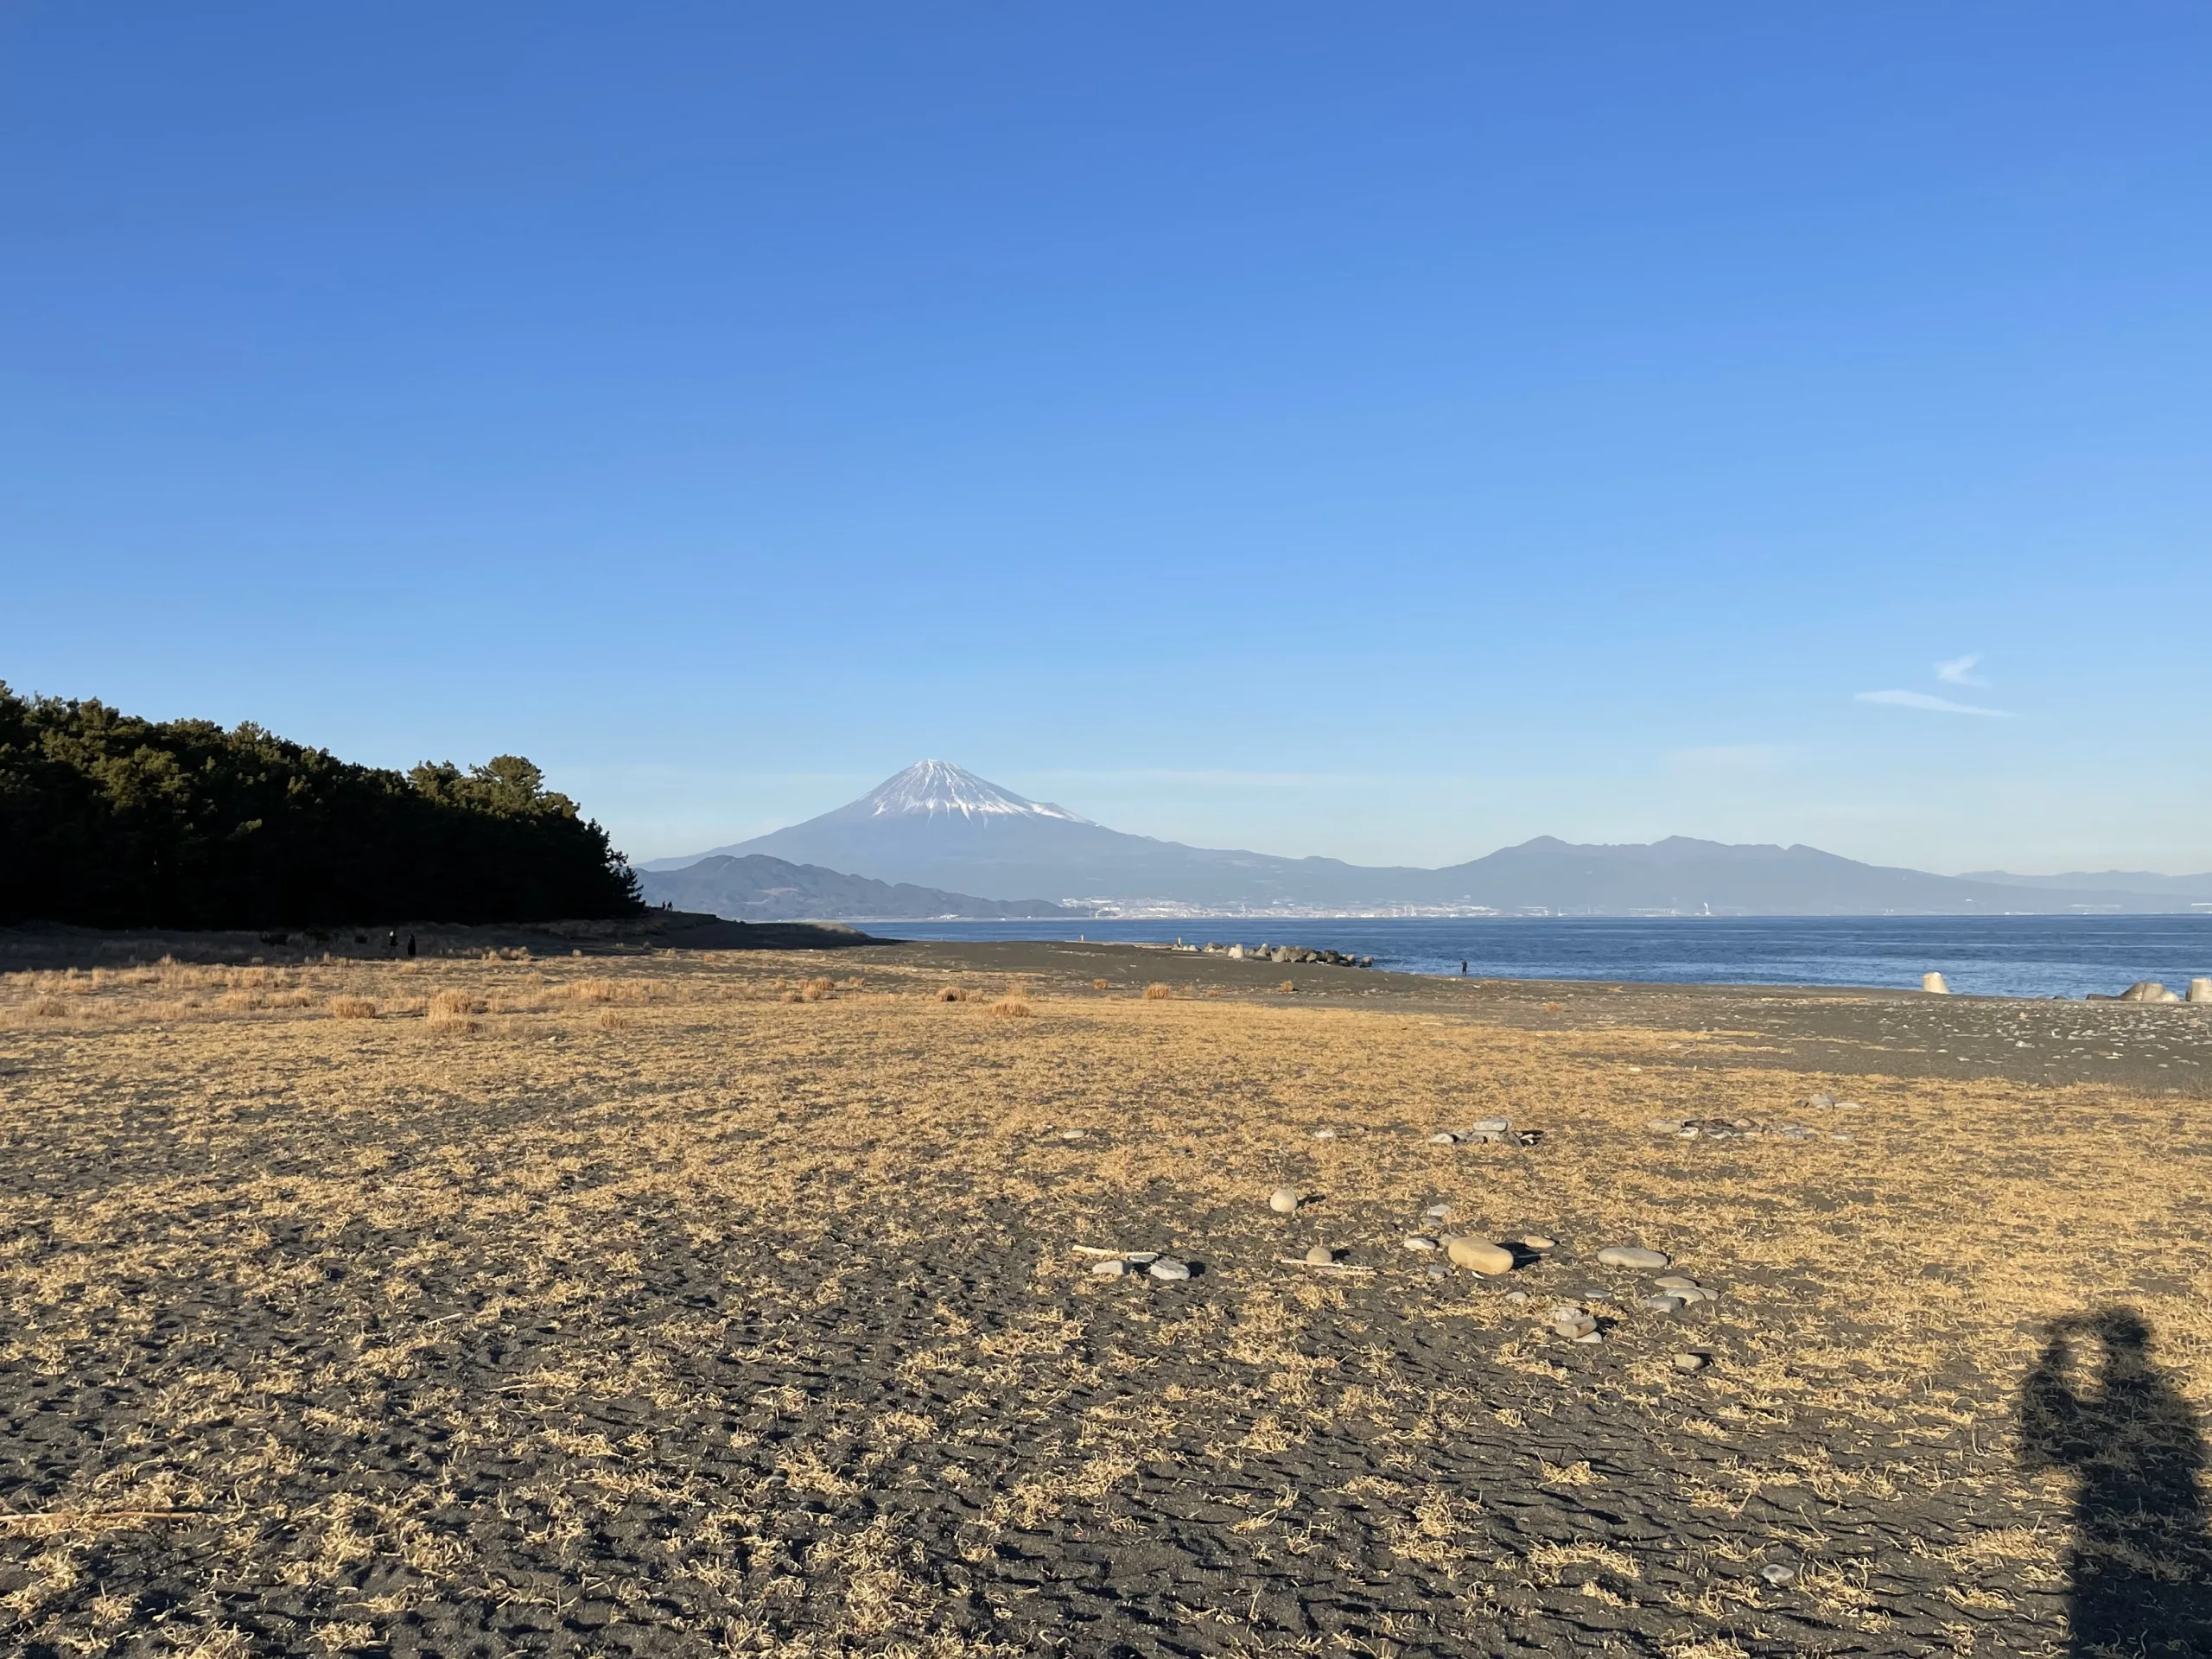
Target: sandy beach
x=701, y=1301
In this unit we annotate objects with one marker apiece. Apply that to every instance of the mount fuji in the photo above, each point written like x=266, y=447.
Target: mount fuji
x=937, y=825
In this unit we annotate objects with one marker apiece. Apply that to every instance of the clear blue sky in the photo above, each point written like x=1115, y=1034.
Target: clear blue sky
x=1389, y=432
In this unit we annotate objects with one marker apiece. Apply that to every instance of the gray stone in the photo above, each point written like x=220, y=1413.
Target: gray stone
x=1776, y=1574
x=1630, y=1255
x=1419, y=1242
x=1443, y=1138
x=1437, y=1213
x=1169, y=1268
x=1663, y=1304
x=1691, y=1362
x=1490, y=1126
x=1138, y=1258
x=1109, y=1269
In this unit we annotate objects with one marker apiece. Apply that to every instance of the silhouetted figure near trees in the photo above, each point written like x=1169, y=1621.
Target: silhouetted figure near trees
x=2141, y=1567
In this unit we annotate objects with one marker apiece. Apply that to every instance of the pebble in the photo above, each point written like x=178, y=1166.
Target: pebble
x=1478, y=1256
x=1690, y=1362
x=1138, y=1258
x=1444, y=1138
x=1283, y=1200
x=1325, y=1134
x=1663, y=1304
x=1776, y=1574
x=1167, y=1267
x=1490, y=1126
x=1419, y=1242
x=1437, y=1213
x=1821, y=1100
x=1538, y=1242
x=1630, y=1255
x=1109, y=1269
x=1319, y=1257
x=1072, y=1134
x=1675, y=1281
x=1437, y=1273
x=1590, y=1335
x=1516, y=1295
x=1667, y=1125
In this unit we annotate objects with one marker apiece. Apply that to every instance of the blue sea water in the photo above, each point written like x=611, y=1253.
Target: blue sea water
x=1984, y=956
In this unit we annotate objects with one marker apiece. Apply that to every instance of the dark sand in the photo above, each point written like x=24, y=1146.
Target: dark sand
x=641, y=1311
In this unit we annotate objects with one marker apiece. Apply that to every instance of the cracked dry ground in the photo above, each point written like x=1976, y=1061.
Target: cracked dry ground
x=640, y=1309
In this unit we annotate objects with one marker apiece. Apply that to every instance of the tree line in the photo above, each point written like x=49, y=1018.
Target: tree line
x=107, y=820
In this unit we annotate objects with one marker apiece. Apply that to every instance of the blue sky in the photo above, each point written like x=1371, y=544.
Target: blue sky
x=1384, y=432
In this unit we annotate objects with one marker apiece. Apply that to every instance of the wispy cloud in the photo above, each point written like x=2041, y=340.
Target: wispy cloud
x=1959, y=670
x=1932, y=705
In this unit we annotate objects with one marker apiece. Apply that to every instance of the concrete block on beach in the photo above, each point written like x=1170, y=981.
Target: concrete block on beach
x=1934, y=985
x=2199, y=990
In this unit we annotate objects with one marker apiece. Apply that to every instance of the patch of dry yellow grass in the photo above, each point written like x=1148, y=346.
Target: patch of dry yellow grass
x=1898, y=1282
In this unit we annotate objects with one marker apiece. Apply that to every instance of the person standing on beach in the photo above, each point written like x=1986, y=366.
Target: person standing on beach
x=1463, y=970
x=411, y=946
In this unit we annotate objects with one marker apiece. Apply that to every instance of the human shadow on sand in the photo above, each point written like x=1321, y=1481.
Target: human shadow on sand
x=2140, y=1569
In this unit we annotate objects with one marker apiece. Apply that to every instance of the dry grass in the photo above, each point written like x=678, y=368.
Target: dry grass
x=1099, y=985
x=1014, y=1005
x=1157, y=992
x=873, y=1182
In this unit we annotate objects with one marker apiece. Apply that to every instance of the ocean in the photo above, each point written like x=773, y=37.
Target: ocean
x=1982, y=956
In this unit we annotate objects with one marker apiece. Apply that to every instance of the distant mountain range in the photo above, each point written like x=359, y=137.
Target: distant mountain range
x=757, y=888
x=2131, y=881
x=939, y=827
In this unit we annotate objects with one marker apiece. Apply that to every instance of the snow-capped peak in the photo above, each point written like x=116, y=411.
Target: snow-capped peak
x=929, y=787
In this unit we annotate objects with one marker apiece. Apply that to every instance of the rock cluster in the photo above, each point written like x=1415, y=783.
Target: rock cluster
x=1736, y=1128
x=1490, y=1131
x=1285, y=953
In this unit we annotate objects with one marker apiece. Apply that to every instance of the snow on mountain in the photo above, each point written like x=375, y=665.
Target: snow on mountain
x=929, y=787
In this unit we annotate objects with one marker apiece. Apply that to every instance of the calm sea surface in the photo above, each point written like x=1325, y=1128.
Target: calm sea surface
x=1987, y=956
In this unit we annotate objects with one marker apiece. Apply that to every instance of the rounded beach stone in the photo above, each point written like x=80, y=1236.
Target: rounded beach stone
x=1591, y=1335
x=1138, y=1258
x=1283, y=1200
x=1419, y=1242
x=1538, y=1242
x=1689, y=1362
x=1319, y=1257
x=1477, y=1256
x=1443, y=1138
x=1109, y=1269
x=1663, y=1304
x=1675, y=1281
x=1630, y=1255
x=1437, y=1213
x=1167, y=1267
x=1490, y=1126
x=1776, y=1574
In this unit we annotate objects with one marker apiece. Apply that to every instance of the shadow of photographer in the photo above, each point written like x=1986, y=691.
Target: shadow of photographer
x=2140, y=1569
